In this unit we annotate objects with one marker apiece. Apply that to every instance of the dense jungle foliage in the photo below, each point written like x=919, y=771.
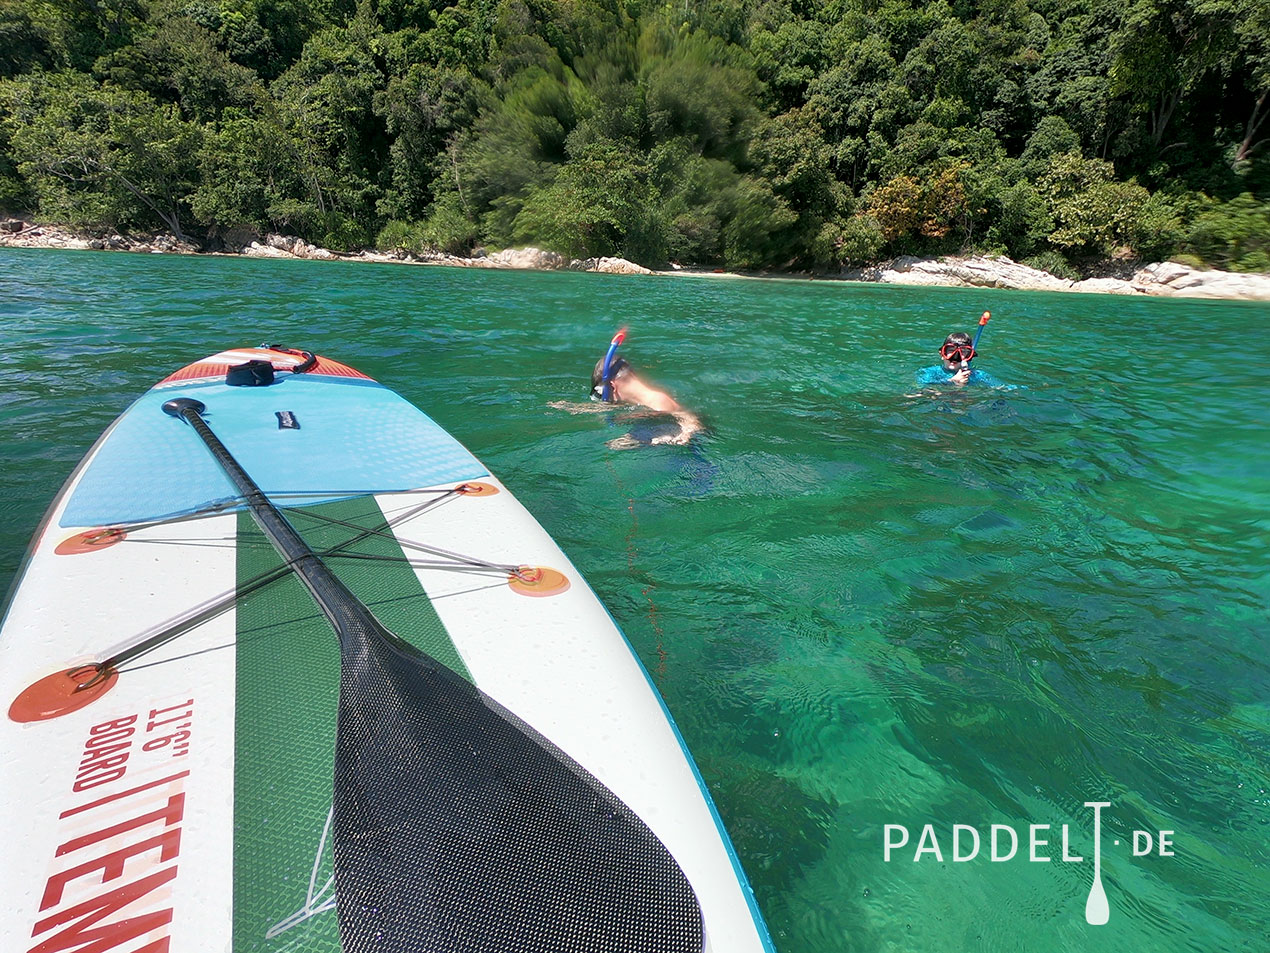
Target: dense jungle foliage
x=739, y=133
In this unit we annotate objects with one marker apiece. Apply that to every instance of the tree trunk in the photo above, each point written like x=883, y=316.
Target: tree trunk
x=1254, y=123
x=1160, y=117
x=168, y=218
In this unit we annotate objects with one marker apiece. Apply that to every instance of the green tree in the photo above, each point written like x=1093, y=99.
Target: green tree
x=599, y=203
x=100, y=155
x=79, y=31
x=326, y=102
x=1233, y=235
x=694, y=193
x=854, y=242
x=515, y=143
x=268, y=36
x=424, y=111
x=1252, y=29
x=754, y=227
x=790, y=153
x=1071, y=81
x=1052, y=137
x=1093, y=212
x=788, y=56
x=698, y=91
x=177, y=60
x=1165, y=49
x=24, y=42
x=1023, y=222
x=252, y=175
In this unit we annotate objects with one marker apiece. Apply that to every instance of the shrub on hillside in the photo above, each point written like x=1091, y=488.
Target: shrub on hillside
x=1232, y=235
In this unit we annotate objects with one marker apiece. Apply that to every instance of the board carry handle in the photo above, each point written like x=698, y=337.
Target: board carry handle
x=309, y=362
x=458, y=826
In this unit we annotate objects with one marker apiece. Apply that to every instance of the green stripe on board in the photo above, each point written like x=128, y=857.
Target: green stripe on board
x=288, y=670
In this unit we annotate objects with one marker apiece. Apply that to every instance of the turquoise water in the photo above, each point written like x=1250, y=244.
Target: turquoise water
x=863, y=606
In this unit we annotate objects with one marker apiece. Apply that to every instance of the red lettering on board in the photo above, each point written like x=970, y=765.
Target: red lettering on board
x=168, y=844
x=130, y=902
x=120, y=795
x=170, y=815
x=117, y=723
x=119, y=734
x=96, y=780
x=94, y=765
x=156, y=712
x=96, y=754
x=105, y=753
x=83, y=936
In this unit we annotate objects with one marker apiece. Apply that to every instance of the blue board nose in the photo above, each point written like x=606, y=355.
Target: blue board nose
x=344, y=437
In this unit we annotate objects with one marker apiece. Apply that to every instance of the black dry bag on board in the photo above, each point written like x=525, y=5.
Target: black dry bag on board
x=251, y=374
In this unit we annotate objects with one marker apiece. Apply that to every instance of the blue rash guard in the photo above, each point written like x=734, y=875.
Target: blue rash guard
x=936, y=376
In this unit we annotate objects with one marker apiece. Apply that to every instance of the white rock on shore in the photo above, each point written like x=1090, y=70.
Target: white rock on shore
x=1163, y=278
x=610, y=266
x=16, y=233
x=285, y=246
x=522, y=258
x=1170, y=278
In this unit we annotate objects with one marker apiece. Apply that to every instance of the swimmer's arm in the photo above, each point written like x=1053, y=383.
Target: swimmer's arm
x=689, y=423
x=635, y=391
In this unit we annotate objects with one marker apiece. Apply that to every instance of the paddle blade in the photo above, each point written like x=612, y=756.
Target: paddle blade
x=459, y=828
x=1097, y=910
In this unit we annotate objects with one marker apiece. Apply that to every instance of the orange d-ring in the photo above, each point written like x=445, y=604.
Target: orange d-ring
x=476, y=489
x=538, y=581
x=90, y=541
x=62, y=693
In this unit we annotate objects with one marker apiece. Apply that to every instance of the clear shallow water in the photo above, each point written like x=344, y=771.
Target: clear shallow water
x=863, y=607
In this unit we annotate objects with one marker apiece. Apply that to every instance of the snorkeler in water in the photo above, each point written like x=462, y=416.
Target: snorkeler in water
x=956, y=353
x=613, y=381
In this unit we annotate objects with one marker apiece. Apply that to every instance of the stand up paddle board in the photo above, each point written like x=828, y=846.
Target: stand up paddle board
x=288, y=669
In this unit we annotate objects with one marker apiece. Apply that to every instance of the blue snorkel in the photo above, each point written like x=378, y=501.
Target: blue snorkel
x=974, y=345
x=606, y=391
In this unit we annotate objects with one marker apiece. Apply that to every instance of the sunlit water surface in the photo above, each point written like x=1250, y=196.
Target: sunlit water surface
x=863, y=605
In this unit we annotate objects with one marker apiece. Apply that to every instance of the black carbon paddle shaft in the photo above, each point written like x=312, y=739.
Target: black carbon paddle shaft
x=459, y=828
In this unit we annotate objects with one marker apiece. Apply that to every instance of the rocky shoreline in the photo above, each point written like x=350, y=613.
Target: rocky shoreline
x=1160, y=279
x=1169, y=279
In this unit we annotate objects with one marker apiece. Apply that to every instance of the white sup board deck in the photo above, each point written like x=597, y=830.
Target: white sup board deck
x=187, y=805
